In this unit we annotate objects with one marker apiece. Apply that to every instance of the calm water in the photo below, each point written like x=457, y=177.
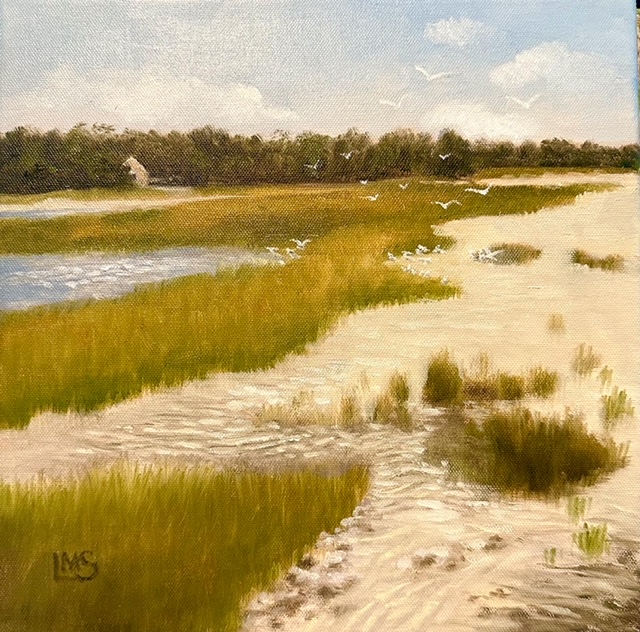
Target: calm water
x=26, y=281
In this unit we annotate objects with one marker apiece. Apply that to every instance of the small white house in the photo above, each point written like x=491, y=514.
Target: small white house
x=137, y=170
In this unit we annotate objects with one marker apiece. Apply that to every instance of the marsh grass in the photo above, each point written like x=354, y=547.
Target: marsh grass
x=577, y=508
x=550, y=556
x=180, y=550
x=524, y=453
x=610, y=263
x=585, y=360
x=606, y=377
x=515, y=253
x=556, y=324
x=593, y=540
x=542, y=383
x=391, y=406
x=615, y=406
x=443, y=386
x=448, y=385
x=85, y=355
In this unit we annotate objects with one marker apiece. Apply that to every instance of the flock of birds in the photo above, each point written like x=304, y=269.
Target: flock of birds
x=292, y=253
x=485, y=254
x=444, y=75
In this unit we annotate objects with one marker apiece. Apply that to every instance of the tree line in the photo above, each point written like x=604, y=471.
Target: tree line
x=33, y=161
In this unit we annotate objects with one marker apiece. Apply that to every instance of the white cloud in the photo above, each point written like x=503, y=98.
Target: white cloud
x=475, y=121
x=149, y=99
x=554, y=63
x=455, y=32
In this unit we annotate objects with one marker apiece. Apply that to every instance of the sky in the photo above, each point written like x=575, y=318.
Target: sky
x=257, y=66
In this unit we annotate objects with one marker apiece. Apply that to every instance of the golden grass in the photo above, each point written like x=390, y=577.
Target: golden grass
x=610, y=263
x=82, y=356
x=180, y=550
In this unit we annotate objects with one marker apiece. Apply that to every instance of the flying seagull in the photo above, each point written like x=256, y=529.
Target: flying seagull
x=301, y=243
x=404, y=186
x=347, y=155
x=392, y=103
x=364, y=181
x=430, y=77
x=525, y=104
x=273, y=250
x=446, y=205
x=444, y=156
x=480, y=191
x=315, y=167
x=372, y=198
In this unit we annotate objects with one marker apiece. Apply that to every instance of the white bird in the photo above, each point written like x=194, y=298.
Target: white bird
x=444, y=156
x=439, y=249
x=372, y=198
x=421, y=250
x=404, y=186
x=315, y=166
x=525, y=104
x=446, y=205
x=391, y=257
x=394, y=104
x=301, y=243
x=430, y=77
x=273, y=250
x=480, y=191
x=407, y=254
x=347, y=155
x=364, y=181
x=292, y=253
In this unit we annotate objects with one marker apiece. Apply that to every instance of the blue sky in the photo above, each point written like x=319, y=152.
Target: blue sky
x=254, y=66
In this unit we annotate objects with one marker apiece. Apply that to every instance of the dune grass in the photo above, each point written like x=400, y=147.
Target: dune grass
x=153, y=572
x=556, y=324
x=615, y=406
x=593, y=540
x=86, y=355
x=577, y=508
x=449, y=385
x=610, y=263
x=525, y=453
x=515, y=253
x=391, y=406
x=585, y=360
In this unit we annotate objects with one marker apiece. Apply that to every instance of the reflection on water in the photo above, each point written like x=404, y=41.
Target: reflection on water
x=26, y=281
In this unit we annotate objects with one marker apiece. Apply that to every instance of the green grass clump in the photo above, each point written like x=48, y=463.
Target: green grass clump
x=550, y=556
x=443, y=386
x=515, y=254
x=577, y=508
x=605, y=376
x=611, y=263
x=85, y=355
x=616, y=406
x=593, y=540
x=585, y=360
x=524, y=453
x=180, y=550
x=511, y=387
x=542, y=383
x=392, y=405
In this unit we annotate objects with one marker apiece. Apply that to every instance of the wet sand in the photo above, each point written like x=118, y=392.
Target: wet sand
x=424, y=554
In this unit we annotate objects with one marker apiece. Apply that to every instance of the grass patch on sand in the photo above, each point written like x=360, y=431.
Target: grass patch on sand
x=449, y=385
x=593, y=540
x=615, y=406
x=244, y=530
x=610, y=263
x=585, y=360
x=525, y=453
x=514, y=253
x=556, y=324
x=86, y=355
x=392, y=404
